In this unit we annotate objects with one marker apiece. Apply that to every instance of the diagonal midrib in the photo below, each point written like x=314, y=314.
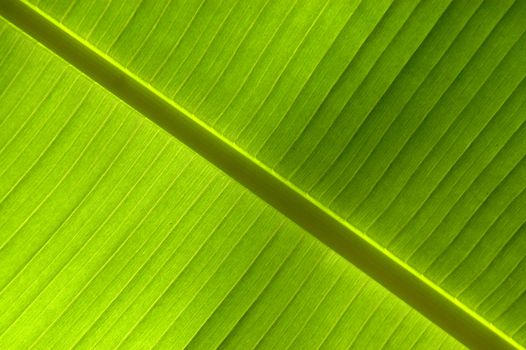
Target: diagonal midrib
x=380, y=264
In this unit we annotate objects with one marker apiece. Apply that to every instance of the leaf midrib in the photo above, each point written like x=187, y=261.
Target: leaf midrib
x=355, y=246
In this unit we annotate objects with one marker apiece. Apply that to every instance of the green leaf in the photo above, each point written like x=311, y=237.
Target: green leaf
x=115, y=234
x=391, y=131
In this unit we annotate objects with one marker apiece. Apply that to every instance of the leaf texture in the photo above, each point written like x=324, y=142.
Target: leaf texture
x=114, y=234
x=404, y=118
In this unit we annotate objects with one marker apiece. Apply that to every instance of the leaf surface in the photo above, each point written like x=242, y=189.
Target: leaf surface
x=114, y=234
x=404, y=119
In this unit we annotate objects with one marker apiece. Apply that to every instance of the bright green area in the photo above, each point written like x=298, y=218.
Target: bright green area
x=113, y=233
x=405, y=118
